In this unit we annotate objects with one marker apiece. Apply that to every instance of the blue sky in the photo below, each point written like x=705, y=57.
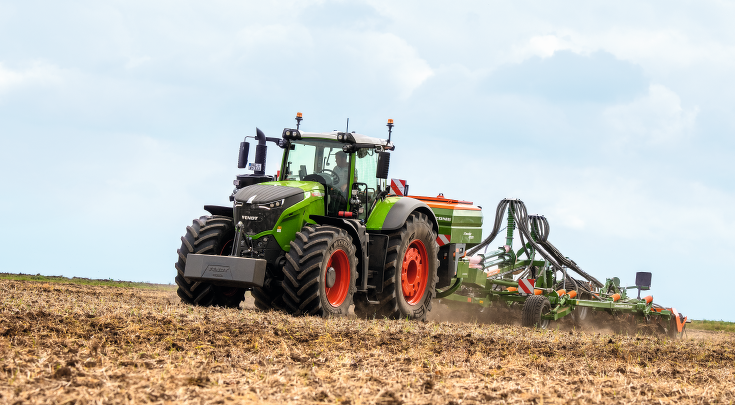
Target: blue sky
x=120, y=119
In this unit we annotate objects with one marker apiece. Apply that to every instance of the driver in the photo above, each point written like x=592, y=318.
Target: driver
x=342, y=170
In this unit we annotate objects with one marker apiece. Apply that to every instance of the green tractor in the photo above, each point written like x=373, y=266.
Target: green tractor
x=324, y=233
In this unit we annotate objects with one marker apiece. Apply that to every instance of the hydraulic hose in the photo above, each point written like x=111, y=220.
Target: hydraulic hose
x=499, y=213
x=538, y=239
x=544, y=247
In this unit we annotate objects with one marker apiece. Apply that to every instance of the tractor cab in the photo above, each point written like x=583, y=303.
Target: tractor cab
x=352, y=168
x=346, y=164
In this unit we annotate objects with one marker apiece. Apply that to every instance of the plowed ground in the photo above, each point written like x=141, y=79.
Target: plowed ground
x=65, y=343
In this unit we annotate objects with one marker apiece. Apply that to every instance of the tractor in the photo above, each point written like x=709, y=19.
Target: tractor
x=323, y=233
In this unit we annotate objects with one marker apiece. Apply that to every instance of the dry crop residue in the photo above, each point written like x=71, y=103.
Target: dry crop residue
x=68, y=343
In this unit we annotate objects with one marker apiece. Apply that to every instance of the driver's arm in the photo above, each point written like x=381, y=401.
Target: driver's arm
x=344, y=177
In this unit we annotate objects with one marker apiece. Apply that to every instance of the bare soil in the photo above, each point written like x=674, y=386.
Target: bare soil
x=66, y=343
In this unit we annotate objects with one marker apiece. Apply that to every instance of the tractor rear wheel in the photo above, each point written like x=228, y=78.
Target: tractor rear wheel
x=410, y=274
x=320, y=272
x=211, y=235
x=533, y=309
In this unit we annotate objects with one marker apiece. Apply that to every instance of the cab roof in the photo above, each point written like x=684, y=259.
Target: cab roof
x=359, y=138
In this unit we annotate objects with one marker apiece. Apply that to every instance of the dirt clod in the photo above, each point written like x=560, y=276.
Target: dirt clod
x=62, y=372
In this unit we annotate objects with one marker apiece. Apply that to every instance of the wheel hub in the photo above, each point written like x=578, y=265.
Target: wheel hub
x=337, y=278
x=414, y=272
x=331, y=277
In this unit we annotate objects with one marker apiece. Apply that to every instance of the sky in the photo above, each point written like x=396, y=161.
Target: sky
x=119, y=120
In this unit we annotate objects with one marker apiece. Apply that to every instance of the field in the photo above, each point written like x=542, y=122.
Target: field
x=81, y=343
x=713, y=325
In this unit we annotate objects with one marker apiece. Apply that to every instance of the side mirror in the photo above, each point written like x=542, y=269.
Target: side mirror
x=242, y=157
x=383, y=165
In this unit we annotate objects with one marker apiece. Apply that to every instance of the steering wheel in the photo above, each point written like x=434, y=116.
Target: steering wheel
x=334, y=176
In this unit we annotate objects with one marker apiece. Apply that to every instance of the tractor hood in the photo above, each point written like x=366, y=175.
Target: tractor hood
x=259, y=207
x=266, y=193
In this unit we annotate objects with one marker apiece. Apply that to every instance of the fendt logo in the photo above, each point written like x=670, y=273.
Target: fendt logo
x=249, y=218
x=217, y=271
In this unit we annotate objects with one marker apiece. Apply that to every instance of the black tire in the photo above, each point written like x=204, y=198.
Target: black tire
x=570, y=285
x=533, y=308
x=313, y=251
x=581, y=314
x=270, y=295
x=211, y=235
x=394, y=303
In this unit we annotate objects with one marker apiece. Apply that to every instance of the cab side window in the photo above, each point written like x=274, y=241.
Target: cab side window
x=366, y=162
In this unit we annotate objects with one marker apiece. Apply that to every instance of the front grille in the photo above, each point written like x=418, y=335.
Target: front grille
x=256, y=220
x=259, y=206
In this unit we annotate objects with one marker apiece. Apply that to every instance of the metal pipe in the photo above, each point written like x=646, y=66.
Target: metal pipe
x=500, y=260
x=505, y=283
x=260, y=152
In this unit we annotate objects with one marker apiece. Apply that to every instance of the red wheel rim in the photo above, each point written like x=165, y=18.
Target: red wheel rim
x=338, y=292
x=414, y=272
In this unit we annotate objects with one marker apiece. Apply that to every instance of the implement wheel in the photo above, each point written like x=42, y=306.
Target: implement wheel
x=534, y=307
x=580, y=313
x=410, y=274
x=210, y=235
x=320, y=272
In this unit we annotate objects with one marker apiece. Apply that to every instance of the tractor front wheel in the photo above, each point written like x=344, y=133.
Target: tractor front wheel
x=320, y=272
x=210, y=235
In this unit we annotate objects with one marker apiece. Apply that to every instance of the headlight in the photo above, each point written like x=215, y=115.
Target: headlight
x=290, y=133
x=269, y=205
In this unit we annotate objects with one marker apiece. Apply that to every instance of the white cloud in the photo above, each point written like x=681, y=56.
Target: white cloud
x=657, y=118
x=656, y=49
x=542, y=46
x=661, y=49
x=38, y=73
x=393, y=58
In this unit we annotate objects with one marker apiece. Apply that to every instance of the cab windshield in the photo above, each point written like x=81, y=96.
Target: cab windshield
x=320, y=161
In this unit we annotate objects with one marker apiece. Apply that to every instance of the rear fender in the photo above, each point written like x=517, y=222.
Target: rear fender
x=391, y=213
